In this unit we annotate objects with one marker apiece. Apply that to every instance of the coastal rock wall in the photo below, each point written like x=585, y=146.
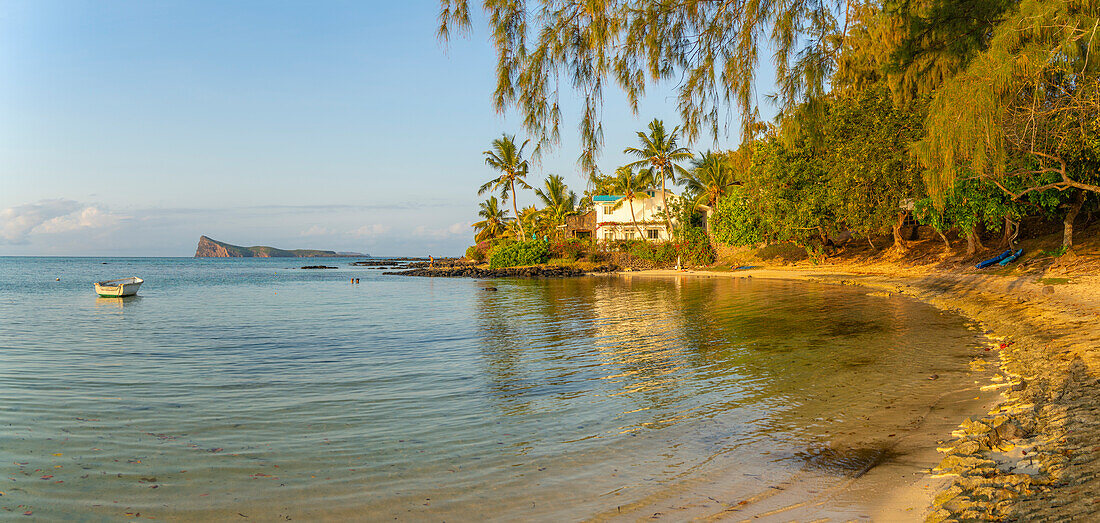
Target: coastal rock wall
x=470, y=271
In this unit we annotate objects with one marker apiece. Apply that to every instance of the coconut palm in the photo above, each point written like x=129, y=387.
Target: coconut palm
x=659, y=152
x=632, y=186
x=506, y=158
x=494, y=221
x=710, y=178
x=531, y=218
x=560, y=202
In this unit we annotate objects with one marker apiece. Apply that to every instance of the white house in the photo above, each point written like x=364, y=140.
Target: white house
x=615, y=224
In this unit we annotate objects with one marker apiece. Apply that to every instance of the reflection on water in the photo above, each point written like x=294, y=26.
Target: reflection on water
x=115, y=304
x=284, y=393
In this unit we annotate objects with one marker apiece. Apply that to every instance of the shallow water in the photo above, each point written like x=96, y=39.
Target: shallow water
x=245, y=387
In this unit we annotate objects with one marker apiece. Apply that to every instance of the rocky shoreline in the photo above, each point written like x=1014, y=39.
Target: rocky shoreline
x=473, y=271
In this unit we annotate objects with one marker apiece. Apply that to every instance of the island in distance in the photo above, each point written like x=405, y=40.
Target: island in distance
x=211, y=248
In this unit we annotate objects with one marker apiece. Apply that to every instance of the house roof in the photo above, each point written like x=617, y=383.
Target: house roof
x=606, y=198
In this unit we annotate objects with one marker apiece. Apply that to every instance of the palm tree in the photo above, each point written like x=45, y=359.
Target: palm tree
x=659, y=151
x=494, y=221
x=710, y=178
x=558, y=199
x=506, y=158
x=631, y=186
x=532, y=218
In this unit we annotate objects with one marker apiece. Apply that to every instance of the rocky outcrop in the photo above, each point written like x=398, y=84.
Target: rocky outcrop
x=470, y=271
x=211, y=248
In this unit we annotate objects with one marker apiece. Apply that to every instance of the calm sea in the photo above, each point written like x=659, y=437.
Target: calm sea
x=235, y=388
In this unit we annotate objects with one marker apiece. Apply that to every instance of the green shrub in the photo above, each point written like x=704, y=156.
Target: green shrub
x=475, y=254
x=659, y=253
x=694, y=246
x=571, y=249
x=519, y=253
x=625, y=245
x=734, y=223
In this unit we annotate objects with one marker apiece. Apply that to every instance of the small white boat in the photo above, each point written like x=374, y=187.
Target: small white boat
x=118, y=288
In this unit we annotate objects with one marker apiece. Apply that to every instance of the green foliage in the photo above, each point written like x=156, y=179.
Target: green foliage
x=663, y=253
x=479, y=252
x=507, y=159
x=788, y=191
x=711, y=177
x=519, y=253
x=570, y=249
x=1057, y=253
x=1024, y=107
x=472, y=253
x=970, y=204
x=713, y=48
x=870, y=172
x=735, y=222
x=494, y=220
x=694, y=246
x=558, y=200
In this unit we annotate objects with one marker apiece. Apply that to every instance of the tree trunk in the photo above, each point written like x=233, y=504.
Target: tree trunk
x=899, y=242
x=1006, y=238
x=519, y=221
x=973, y=241
x=944, y=238
x=632, y=220
x=664, y=201
x=1074, y=208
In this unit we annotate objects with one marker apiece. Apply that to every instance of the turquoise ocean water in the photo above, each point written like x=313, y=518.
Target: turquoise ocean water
x=248, y=388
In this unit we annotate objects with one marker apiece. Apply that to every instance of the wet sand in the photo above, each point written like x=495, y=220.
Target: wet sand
x=1022, y=448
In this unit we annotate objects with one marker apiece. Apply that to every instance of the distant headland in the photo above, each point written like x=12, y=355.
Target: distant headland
x=211, y=248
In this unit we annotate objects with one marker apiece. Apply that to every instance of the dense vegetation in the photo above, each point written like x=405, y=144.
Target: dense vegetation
x=512, y=254
x=966, y=116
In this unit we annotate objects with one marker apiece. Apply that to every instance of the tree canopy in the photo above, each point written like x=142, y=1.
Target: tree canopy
x=710, y=49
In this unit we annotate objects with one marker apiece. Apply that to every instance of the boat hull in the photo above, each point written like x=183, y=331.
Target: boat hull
x=118, y=288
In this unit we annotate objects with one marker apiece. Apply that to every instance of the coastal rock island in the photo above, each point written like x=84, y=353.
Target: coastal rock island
x=211, y=248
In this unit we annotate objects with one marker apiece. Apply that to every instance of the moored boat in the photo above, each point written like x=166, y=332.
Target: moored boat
x=118, y=288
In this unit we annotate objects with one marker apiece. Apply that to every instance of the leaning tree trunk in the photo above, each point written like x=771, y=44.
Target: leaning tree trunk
x=899, y=242
x=664, y=201
x=946, y=243
x=1074, y=209
x=634, y=221
x=519, y=221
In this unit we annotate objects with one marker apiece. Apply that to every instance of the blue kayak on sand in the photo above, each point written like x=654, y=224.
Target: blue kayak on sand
x=1010, y=258
x=995, y=259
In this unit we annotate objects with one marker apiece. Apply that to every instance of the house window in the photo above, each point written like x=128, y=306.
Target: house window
x=608, y=209
x=653, y=234
x=629, y=235
x=608, y=236
x=651, y=193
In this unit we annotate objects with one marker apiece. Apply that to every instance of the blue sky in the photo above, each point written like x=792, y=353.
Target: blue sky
x=131, y=128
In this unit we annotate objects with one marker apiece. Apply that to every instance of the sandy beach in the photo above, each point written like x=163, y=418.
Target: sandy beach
x=1026, y=446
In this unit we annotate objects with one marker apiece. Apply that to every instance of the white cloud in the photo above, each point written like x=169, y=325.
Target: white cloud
x=51, y=216
x=455, y=229
x=317, y=230
x=371, y=230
